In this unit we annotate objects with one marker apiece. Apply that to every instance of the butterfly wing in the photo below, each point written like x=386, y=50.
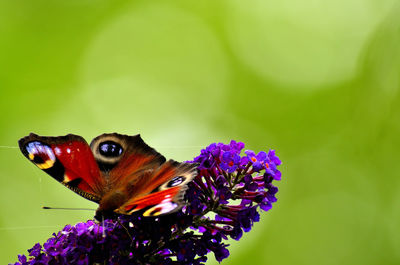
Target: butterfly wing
x=138, y=175
x=69, y=160
x=120, y=156
x=164, y=190
x=122, y=173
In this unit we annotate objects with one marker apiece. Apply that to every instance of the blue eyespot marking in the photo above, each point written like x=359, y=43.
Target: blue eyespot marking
x=40, y=154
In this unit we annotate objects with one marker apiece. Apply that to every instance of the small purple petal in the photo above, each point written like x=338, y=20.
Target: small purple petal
x=261, y=156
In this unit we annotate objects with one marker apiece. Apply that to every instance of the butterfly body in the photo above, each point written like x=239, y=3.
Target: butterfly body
x=121, y=173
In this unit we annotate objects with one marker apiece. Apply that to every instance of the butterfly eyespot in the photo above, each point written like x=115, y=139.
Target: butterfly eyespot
x=175, y=181
x=40, y=154
x=110, y=149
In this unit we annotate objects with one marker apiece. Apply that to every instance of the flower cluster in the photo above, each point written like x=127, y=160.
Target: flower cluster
x=224, y=178
x=223, y=201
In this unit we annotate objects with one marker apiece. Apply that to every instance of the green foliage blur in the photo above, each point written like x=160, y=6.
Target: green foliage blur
x=318, y=81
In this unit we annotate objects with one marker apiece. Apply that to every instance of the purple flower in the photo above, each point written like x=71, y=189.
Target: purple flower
x=258, y=161
x=232, y=186
x=35, y=251
x=22, y=260
x=230, y=161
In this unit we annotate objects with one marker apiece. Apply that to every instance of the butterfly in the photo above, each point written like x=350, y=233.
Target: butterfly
x=119, y=172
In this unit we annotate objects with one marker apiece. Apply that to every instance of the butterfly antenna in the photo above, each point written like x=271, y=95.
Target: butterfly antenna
x=66, y=208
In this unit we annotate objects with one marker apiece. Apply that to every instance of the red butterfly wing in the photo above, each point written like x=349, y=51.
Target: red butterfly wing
x=163, y=191
x=156, y=203
x=138, y=176
x=68, y=159
x=122, y=173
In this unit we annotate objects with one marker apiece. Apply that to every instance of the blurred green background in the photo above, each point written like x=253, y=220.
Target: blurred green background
x=316, y=80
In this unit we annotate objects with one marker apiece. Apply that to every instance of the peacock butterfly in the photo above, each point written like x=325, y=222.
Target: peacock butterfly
x=119, y=172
